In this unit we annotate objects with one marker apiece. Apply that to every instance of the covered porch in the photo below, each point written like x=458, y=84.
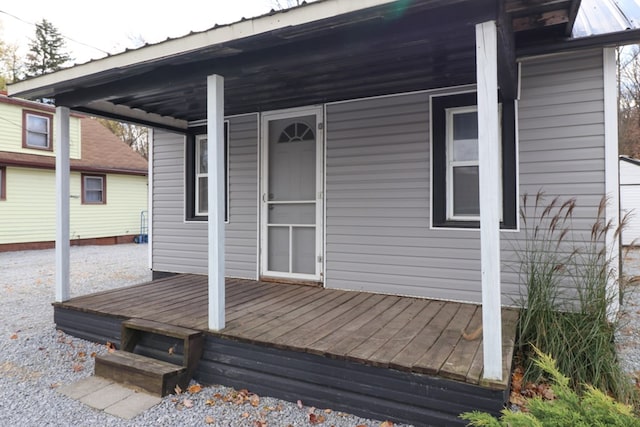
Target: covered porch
x=375, y=355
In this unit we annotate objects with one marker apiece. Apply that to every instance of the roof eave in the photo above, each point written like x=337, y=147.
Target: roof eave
x=617, y=38
x=40, y=86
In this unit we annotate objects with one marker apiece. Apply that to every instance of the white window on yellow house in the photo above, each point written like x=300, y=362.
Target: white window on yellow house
x=94, y=189
x=37, y=130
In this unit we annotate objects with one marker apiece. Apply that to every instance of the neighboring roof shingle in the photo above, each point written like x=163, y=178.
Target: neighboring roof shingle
x=101, y=151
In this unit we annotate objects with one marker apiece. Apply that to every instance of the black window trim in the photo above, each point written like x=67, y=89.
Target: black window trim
x=439, y=104
x=190, y=173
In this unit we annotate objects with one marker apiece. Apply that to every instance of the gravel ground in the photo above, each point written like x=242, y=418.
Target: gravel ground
x=35, y=359
x=628, y=337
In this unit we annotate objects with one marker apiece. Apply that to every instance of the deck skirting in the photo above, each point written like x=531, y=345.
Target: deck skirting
x=319, y=381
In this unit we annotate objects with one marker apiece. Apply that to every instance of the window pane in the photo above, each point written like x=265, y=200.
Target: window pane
x=37, y=139
x=37, y=124
x=466, y=194
x=304, y=250
x=292, y=214
x=203, y=204
x=93, y=196
x=465, y=149
x=203, y=168
x=465, y=125
x=93, y=183
x=278, y=249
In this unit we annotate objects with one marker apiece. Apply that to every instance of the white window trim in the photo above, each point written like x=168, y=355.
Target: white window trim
x=29, y=131
x=451, y=164
x=198, y=175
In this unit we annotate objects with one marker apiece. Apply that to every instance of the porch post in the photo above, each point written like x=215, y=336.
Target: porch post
x=61, y=132
x=612, y=178
x=215, y=160
x=489, y=171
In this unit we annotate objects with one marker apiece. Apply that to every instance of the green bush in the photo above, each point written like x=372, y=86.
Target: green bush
x=593, y=408
x=566, y=309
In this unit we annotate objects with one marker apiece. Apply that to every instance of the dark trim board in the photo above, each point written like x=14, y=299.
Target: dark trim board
x=319, y=381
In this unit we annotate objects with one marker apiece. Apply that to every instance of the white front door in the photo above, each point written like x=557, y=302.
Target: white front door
x=292, y=194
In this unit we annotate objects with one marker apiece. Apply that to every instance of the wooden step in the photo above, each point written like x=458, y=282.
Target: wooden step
x=154, y=376
x=192, y=339
x=160, y=328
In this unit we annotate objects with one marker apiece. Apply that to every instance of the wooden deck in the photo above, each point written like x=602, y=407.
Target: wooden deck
x=409, y=335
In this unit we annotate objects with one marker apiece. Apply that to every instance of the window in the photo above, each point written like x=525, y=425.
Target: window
x=463, y=195
x=455, y=166
x=37, y=130
x=94, y=189
x=198, y=173
x=3, y=183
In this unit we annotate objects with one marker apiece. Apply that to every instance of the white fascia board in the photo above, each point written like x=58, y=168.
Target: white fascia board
x=242, y=29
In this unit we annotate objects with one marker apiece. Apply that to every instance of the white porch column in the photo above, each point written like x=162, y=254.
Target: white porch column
x=215, y=160
x=61, y=131
x=489, y=165
x=612, y=177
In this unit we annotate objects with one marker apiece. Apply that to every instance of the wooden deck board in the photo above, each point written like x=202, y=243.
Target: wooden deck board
x=457, y=365
x=383, y=356
x=345, y=346
x=402, y=333
x=323, y=345
x=368, y=348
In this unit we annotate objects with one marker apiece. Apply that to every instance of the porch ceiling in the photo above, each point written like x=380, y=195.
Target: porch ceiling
x=393, y=47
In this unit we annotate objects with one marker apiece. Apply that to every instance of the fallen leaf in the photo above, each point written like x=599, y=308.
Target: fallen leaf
x=188, y=403
x=77, y=367
x=178, y=390
x=111, y=347
x=217, y=396
x=245, y=415
x=316, y=419
x=42, y=348
x=517, y=399
x=209, y=420
x=14, y=337
x=195, y=388
x=172, y=349
x=82, y=354
x=210, y=402
x=54, y=385
x=300, y=405
x=93, y=354
x=311, y=410
x=279, y=407
x=361, y=425
x=386, y=424
x=254, y=400
x=328, y=411
x=260, y=423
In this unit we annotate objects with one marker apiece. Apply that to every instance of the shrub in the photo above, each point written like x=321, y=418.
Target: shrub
x=593, y=408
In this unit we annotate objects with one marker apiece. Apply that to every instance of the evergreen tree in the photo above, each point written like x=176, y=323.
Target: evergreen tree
x=47, y=52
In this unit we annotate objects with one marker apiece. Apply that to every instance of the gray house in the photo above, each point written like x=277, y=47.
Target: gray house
x=374, y=146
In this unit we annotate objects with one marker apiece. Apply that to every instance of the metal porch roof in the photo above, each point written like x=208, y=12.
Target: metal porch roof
x=325, y=51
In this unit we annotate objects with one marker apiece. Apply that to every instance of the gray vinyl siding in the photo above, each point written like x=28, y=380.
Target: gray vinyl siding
x=378, y=235
x=561, y=124
x=181, y=246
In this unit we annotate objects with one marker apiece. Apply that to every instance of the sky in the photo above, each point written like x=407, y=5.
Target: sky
x=113, y=25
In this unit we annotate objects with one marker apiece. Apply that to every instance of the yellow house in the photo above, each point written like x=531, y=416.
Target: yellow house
x=108, y=180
